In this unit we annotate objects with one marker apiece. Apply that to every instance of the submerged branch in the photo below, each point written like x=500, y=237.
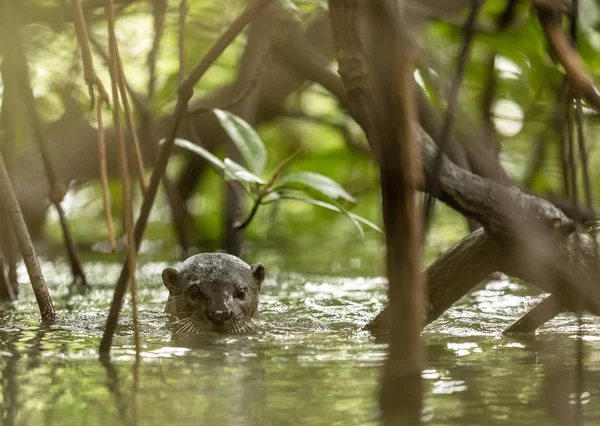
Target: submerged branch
x=524, y=237
x=10, y=203
x=116, y=83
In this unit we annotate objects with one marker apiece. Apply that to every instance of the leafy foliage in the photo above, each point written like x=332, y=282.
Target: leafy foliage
x=527, y=81
x=245, y=139
x=309, y=187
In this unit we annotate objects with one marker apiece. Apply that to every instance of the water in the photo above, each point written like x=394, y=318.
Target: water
x=310, y=365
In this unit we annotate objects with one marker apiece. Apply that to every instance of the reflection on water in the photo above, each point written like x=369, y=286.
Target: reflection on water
x=309, y=365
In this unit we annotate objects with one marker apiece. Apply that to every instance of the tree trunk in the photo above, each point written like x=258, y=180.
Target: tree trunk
x=375, y=63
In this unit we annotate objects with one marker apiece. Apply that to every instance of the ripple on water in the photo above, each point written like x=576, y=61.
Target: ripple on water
x=309, y=364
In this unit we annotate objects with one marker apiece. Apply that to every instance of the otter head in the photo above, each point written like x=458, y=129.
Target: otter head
x=213, y=292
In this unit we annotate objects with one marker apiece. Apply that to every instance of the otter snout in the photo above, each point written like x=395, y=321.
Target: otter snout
x=218, y=317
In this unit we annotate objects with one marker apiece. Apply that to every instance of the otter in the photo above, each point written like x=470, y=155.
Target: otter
x=213, y=292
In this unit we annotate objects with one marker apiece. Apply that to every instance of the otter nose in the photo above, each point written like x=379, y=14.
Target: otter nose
x=217, y=317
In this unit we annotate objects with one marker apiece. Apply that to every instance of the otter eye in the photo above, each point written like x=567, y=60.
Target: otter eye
x=195, y=294
x=240, y=293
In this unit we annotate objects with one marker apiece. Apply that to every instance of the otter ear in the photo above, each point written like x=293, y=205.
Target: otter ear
x=169, y=277
x=258, y=272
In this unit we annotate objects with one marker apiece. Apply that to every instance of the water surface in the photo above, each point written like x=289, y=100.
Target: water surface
x=310, y=365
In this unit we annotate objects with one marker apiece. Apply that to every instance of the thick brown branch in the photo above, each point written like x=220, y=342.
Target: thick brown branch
x=524, y=237
x=376, y=65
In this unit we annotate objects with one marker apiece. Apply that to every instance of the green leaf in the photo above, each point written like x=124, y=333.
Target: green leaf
x=245, y=139
x=271, y=197
x=353, y=219
x=334, y=208
x=233, y=171
x=314, y=184
x=214, y=161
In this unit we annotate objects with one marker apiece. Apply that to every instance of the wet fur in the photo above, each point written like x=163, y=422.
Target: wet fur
x=218, y=277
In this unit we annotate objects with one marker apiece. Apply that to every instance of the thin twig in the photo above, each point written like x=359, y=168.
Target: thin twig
x=351, y=141
x=131, y=126
x=280, y=167
x=185, y=93
x=159, y=8
x=57, y=189
x=135, y=97
x=11, y=204
x=182, y=223
x=72, y=252
x=89, y=73
x=504, y=20
x=125, y=89
x=583, y=153
x=9, y=286
x=556, y=126
x=126, y=188
x=201, y=109
x=104, y=179
x=246, y=91
x=563, y=149
x=487, y=101
x=183, y=10
x=10, y=106
x=570, y=146
x=451, y=107
x=246, y=222
x=264, y=191
x=579, y=119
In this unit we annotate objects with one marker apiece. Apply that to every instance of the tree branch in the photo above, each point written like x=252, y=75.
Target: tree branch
x=185, y=93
